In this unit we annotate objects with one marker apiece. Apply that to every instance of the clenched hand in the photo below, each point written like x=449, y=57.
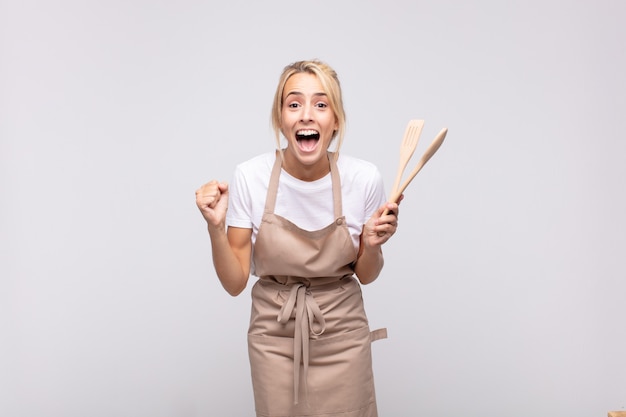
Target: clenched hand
x=212, y=200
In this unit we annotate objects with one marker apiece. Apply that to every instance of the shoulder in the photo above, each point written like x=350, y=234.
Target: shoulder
x=362, y=186
x=252, y=176
x=357, y=169
x=255, y=170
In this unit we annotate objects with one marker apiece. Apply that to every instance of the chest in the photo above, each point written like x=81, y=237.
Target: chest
x=309, y=209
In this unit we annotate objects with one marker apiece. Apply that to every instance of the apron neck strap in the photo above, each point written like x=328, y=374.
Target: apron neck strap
x=272, y=191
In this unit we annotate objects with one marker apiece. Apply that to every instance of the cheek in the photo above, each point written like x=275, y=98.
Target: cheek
x=283, y=121
x=287, y=119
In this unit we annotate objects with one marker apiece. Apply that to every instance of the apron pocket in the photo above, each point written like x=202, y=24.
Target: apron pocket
x=340, y=378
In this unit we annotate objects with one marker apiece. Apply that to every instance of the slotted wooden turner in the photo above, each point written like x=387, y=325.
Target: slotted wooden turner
x=407, y=148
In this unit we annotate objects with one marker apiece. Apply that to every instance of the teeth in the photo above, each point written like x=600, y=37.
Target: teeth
x=306, y=132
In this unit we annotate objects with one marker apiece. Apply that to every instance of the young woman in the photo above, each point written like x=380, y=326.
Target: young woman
x=305, y=221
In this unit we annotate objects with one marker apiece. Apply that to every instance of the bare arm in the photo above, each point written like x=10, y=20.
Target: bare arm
x=376, y=231
x=231, y=250
x=231, y=257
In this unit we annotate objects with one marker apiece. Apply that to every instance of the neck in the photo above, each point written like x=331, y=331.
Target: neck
x=306, y=172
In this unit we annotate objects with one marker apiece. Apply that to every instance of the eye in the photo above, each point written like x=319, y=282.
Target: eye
x=293, y=105
x=321, y=105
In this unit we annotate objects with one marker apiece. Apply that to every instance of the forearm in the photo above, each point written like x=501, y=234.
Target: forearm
x=229, y=268
x=376, y=231
x=369, y=264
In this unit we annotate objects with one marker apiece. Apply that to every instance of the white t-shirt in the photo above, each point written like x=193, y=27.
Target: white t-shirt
x=309, y=205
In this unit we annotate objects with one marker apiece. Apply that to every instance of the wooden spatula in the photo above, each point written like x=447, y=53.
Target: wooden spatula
x=407, y=147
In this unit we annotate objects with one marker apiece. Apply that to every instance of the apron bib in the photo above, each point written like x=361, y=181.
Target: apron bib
x=309, y=340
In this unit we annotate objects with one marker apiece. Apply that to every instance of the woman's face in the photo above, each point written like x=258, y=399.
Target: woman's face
x=308, y=124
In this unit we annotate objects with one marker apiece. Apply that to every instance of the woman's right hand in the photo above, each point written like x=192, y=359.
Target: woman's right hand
x=212, y=200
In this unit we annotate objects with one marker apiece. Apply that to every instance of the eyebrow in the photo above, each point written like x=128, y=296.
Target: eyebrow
x=298, y=93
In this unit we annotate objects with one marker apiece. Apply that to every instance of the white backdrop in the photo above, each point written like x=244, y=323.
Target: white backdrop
x=503, y=289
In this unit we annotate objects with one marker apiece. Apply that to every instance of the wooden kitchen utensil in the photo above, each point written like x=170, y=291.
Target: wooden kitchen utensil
x=407, y=147
x=430, y=151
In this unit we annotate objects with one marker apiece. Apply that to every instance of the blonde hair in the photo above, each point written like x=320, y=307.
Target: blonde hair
x=330, y=83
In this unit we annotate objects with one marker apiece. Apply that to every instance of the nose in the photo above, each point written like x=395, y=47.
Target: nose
x=307, y=113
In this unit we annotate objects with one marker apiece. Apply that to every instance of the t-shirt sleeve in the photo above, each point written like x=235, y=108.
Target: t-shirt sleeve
x=239, y=202
x=376, y=194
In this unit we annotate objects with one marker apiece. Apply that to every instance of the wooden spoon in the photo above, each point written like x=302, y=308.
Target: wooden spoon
x=430, y=151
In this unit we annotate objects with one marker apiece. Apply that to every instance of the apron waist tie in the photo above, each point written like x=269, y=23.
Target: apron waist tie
x=301, y=300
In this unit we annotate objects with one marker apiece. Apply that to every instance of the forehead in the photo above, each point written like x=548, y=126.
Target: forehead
x=304, y=83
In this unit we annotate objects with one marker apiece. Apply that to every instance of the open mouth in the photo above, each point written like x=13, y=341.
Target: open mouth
x=307, y=139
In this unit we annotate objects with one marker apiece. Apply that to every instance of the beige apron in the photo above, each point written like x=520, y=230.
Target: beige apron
x=309, y=339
